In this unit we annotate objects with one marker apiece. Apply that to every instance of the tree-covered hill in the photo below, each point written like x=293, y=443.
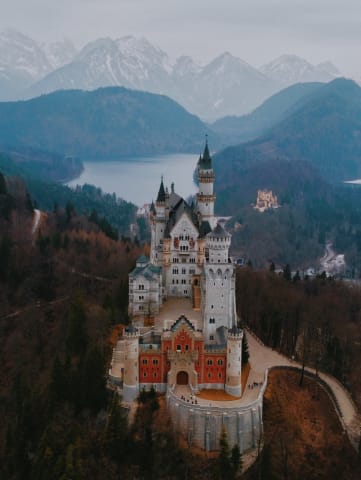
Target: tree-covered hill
x=324, y=131
x=270, y=113
x=109, y=122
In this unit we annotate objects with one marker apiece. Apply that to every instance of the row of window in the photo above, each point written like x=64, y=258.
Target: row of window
x=155, y=374
x=145, y=361
x=219, y=362
x=184, y=260
x=183, y=281
x=175, y=271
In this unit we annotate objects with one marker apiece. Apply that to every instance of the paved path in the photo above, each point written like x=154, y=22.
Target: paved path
x=262, y=357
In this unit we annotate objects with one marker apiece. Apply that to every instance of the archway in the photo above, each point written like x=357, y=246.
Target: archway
x=182, y=378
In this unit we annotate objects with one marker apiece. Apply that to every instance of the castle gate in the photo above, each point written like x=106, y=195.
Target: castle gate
x=182, y=378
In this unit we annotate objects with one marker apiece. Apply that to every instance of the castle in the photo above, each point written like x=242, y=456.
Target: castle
x=266, y=200
x=184, y=339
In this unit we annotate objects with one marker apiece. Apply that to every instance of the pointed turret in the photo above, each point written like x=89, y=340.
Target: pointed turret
x=205, y=196
x=161, y=193
x=205, y=161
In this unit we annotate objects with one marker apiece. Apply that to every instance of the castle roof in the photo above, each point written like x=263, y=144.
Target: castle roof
x=142, y=259
x=204, y=228
x=234, y=330
x=146, y=270
x=205, y=161
x=161, y=192
x=175, y=214
x=219, y=232
x=182, y=320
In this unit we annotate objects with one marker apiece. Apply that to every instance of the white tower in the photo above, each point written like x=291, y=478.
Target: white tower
x=218, y=285
x=131, y=364
x=205, y=196
x=234, y=362
x=158, y=223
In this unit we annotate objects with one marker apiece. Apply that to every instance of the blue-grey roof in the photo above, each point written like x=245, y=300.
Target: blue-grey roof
x=148, y=271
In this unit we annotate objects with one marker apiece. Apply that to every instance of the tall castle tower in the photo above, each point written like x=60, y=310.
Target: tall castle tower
x=233, y=384
x=158, y=224
x=218, y=285
x=131, y=364
x=205, y=196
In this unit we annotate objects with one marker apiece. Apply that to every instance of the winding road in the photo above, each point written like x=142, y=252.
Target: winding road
x=263, y=358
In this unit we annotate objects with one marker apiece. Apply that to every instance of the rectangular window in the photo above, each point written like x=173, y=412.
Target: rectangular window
x=209, y=362
x=141, y=287
x=141, y=307
x=155, y=361
x=211, y=337
x=184, y=271
x=144, y=361
x=175, y=271
x=212, y=320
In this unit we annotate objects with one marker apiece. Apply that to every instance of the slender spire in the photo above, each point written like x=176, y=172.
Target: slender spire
x=205, y=162
x=161, y=193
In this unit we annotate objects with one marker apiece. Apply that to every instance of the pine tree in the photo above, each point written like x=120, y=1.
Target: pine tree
x=116, y=431
x=224, y=461
x=245, y=351
x=236, y=460
x=3, y=189
x=77, y=338
x=287, y=275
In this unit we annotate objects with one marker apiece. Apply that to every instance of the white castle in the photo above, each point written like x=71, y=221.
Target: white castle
x=184, y=339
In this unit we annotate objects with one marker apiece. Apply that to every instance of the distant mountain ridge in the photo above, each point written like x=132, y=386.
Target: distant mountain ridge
x=210, y=91
x=105, y=123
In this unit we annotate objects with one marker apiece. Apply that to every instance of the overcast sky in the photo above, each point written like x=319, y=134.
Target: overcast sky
x=254, y=30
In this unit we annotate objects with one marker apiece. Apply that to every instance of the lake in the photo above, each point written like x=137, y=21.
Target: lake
x=137, y=179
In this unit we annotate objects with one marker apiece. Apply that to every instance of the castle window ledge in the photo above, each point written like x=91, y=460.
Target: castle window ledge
x=182, y=356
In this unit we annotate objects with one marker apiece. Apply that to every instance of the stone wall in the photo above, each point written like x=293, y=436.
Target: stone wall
x=202, y=425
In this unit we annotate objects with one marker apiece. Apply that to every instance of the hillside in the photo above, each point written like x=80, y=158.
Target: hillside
x=324, y=131
x=267, y=115
x=110, y=122
x=303, y=160
x=50, y=196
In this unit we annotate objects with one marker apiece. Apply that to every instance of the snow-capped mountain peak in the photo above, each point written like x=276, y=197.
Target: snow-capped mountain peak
x=289, y=69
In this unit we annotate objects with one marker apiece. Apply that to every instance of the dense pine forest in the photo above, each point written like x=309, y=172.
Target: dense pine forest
x=63, y=302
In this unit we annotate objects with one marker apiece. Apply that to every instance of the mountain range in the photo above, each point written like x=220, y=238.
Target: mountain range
x=216, y=89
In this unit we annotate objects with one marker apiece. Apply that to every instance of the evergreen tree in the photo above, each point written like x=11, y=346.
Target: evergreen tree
x=116, y=431
x=245, y=351
x=93, y=380
x=297, y=277
x=287, y=275
x=236, y=460
x=5, y=257
x=77, y=337
x=224, y=461
x=3, y=188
